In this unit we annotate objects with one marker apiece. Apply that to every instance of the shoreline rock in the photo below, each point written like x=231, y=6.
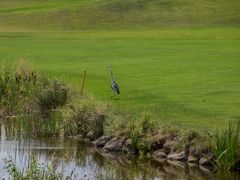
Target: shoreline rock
x=114, y=145
x=162, y=150
x=100, y=142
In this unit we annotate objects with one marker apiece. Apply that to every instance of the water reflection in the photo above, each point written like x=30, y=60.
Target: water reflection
x=71, y=156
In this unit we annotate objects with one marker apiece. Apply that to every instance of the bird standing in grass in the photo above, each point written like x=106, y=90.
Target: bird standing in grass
x=114, y=84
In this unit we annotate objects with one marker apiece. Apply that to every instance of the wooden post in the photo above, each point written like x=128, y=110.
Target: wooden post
x=83, y=81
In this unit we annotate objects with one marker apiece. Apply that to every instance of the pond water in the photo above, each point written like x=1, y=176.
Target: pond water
x=84, y=162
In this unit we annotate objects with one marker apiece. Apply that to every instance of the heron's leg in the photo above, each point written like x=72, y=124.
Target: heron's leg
x=113, y=96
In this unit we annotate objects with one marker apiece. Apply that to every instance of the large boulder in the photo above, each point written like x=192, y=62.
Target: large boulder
x=159, y=155
x=100, y=142
x=128, y=147
x=207, y=159
x=114, y=145
x=177, y=156
x=170, y=143
x=158, y=141
x=192, y=159
x=90, y=135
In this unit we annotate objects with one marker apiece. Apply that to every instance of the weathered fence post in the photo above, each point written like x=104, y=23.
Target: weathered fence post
x=83, y=81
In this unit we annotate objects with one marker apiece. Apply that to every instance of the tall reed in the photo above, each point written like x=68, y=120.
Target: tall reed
x=227, y=145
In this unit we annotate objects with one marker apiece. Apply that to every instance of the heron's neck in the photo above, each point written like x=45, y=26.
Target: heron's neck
x=111, y=73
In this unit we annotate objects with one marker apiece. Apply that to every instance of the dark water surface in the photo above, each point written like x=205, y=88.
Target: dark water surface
x=84, y=162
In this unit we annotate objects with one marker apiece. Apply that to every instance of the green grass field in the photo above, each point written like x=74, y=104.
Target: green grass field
x=178, y=59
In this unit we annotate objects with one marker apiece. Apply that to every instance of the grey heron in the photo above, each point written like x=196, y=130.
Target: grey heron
x=114, y=84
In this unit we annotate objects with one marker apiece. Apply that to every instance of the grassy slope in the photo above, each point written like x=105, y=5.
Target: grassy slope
x=185, y=75
x=25, y=15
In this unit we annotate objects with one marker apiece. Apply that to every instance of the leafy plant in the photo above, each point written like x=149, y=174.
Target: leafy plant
x=33, y=171
x=11, y=168
x=146, y=123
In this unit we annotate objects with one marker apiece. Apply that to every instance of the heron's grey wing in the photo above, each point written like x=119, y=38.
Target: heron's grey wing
x=116, y=87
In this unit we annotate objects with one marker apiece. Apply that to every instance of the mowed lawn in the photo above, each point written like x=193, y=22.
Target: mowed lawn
x=186, y=77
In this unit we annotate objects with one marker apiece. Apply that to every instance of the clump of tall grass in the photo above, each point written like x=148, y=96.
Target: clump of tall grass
x=32, y=98
x=17, y=87
x=227, y=145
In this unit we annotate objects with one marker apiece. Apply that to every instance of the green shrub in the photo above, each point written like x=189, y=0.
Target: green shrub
x=139, y=131
x=84, y=116
x=52, y=95
x=140, y=142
